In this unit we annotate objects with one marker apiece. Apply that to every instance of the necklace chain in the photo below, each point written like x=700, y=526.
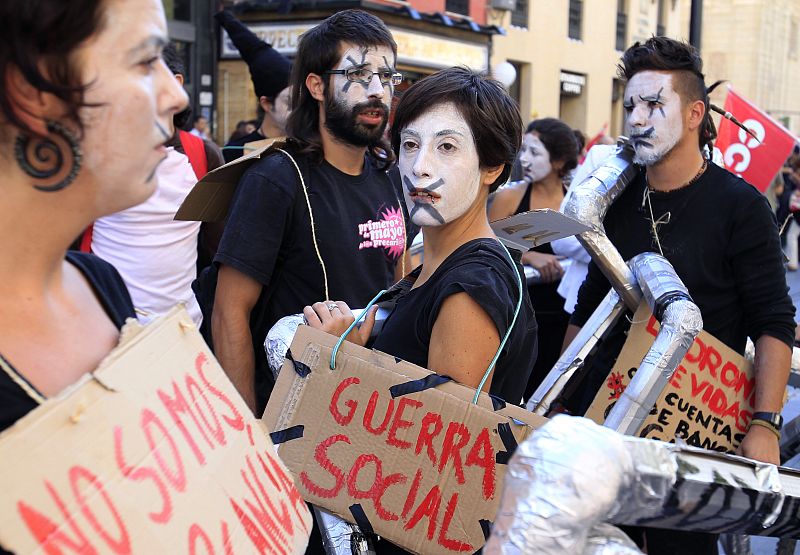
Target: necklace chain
x=666, y=216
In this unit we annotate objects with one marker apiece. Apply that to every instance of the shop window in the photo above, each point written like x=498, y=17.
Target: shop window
x=576, y=19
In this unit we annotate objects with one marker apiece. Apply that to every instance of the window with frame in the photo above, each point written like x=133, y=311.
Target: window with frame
x=576, y=19
x=519, y=16
x=457, y=6
x=622, y=25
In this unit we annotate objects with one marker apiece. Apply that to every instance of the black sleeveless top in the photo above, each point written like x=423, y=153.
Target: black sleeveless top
x=17, y=395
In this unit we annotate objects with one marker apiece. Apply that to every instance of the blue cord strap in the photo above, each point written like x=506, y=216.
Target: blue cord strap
x=508, y=331
x=351, y=326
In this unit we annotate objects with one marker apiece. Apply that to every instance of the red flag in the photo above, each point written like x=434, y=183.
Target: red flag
x=757, y=163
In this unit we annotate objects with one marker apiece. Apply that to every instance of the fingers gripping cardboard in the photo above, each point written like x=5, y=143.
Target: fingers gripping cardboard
x=424, y=468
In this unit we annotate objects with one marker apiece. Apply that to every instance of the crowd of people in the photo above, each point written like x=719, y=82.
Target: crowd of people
x=93, y=148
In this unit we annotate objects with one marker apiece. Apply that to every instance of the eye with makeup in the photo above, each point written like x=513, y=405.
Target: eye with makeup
x=409, y=144
x=448, y=147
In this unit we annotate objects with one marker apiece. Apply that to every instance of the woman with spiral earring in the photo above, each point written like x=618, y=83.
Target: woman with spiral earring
x=85, y=108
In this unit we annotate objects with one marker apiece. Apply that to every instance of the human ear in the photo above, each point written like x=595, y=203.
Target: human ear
x=315, y=86
x=696, y=113
x=490, y=175
x=30, y=105
x=265, y=104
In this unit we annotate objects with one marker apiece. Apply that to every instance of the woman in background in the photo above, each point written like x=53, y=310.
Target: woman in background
x=549, y=154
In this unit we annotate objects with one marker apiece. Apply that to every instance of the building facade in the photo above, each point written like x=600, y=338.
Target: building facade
x=565, y=53
x=754, y=46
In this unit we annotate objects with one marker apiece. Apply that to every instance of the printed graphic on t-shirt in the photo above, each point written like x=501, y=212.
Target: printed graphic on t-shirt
x=386, y=232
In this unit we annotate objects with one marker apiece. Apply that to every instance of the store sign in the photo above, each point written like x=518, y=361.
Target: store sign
x=572, y=83
x=413, y=48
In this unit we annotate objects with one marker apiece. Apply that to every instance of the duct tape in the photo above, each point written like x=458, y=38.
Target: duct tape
x=302, y=369
x=361, y=518
x=415, y=386
x=509, y=442
x=287, y=434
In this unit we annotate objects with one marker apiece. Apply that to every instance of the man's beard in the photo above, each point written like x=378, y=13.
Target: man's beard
x=343, y=123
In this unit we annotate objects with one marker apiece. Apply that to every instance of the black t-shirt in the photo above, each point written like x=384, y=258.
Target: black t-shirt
x=360, y=224
x=722, y=239
x=233, y=149
x=481, y=269
x=15, y=401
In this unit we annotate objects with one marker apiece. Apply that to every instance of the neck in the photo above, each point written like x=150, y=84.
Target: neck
x=676, y=169
x=551, y=185
x=270, y=129
x=343, y=156
x=32, y=241
x=441, y=241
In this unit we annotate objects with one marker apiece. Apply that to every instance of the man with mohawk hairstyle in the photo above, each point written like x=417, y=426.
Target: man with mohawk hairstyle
x=717, y=231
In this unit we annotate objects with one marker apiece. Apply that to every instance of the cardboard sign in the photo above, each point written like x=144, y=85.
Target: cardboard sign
x=536, y=227
x=153, y=453
x=210, y=198
x=708, y=402
x=392, y=446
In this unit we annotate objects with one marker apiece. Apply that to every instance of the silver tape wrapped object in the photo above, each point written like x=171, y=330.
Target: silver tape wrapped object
x=278, y=340
x=573, y=357
x=588, y=203
x=681, y=321
x=605, y=539
x=552, y=498
x=339, y=537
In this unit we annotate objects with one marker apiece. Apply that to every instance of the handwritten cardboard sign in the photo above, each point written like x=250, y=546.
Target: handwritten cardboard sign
x=708, y=402
x=154, y=453
x=536, y=227
x=391, y=446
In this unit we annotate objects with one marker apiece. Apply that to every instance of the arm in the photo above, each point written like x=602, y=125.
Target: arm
x=505, y=202
x=236, y=296
x=546, y=264
x=772, y=362
x=463, y=341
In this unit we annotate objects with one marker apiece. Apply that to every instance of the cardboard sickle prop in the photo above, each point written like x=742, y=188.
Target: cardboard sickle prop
x=393, y=447
x=155, y=452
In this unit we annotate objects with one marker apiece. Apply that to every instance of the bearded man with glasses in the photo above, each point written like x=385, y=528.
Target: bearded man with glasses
x=323, y=218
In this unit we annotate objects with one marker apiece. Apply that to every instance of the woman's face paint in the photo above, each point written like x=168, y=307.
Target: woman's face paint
x=654, y=116
x=357, y=112
x=535, y=158
x=439, y=166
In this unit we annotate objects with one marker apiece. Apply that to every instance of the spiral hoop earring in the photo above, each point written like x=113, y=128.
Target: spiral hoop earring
x=43, y=158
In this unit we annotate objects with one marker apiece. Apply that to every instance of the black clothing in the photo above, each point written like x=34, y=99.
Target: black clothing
x=360, y=225
x=722, y=239
x=235, y=149
x=110, y=290
x=481, y=269
x=551, y=317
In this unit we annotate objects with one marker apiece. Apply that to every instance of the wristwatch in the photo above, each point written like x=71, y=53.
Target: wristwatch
x=774, y=419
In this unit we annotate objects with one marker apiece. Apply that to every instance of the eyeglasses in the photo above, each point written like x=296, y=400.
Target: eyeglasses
x=364, y=76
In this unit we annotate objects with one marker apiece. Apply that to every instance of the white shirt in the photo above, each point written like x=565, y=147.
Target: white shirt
x=569, y=246
x=155, y=255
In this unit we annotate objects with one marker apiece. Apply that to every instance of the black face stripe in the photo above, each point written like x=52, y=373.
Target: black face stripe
x=430, y=210
x=352, y=60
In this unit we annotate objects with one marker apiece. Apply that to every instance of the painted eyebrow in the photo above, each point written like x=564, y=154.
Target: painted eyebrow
x=409, y=133
x=154, y=41
x=449, y=132
x=653, y=97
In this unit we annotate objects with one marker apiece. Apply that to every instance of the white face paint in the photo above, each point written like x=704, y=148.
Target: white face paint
x=439, y=166
x=535, y=158
x=357, y=111
x=654, y=116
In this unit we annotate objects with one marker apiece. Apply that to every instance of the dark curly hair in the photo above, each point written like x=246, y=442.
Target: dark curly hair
x=491, y=114
x=39, y=39
x=319, y=51
x=665, y=54
x=559, y=140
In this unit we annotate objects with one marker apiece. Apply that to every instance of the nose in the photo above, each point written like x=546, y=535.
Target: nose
x=422, y=167
x=638, y=116
x=170, y=96
x=375, y=87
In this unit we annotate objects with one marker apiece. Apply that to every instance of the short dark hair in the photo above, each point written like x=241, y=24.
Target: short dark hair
x=319, y=51
x=559, y=140
x=684, y=61
x=39, y=38
x=492, y=115
x=175, y=64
